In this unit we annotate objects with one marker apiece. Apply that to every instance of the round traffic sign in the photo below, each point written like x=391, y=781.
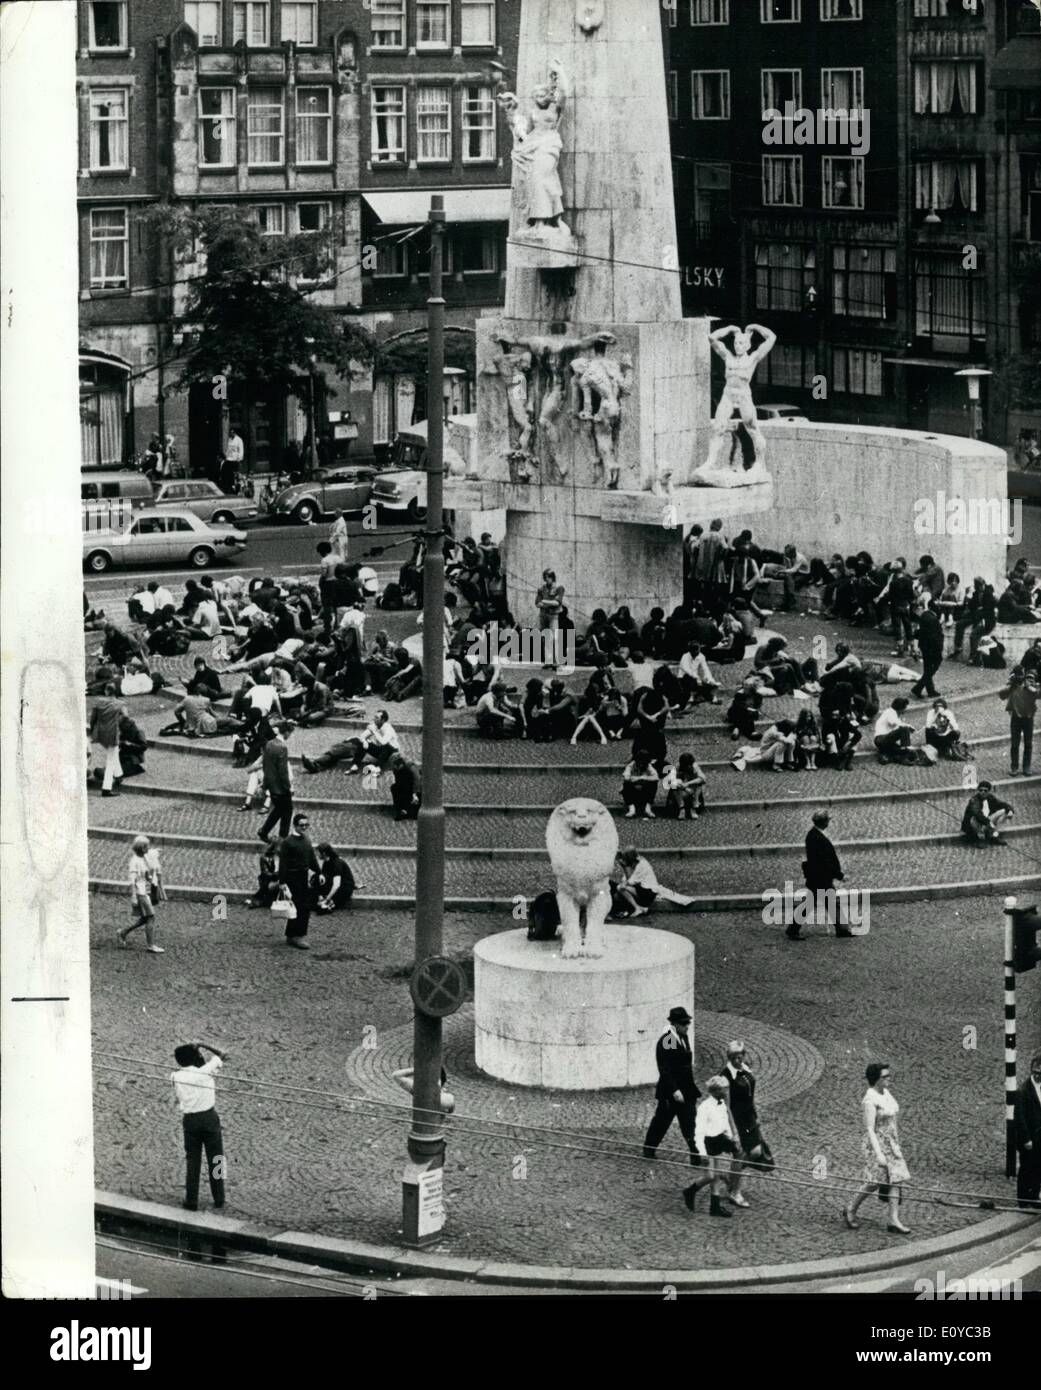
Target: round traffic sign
x=438, y=986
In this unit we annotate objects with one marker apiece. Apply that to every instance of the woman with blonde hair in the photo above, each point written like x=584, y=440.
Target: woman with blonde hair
x=885, y=1171
x=146, y=889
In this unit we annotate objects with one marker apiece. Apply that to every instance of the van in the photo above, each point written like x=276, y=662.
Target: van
x=403, y=486
x=108, y=496
x=101, y=484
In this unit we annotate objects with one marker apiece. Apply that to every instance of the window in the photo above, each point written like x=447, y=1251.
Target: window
x=781, y=87
x=388, y=124
x=300, y=21
x=204, y=17
x=217, y=125
x=265, y=126
x=945, y=89
x=314, y=219
x=478, y=23
x=314, y=125
x=930, y=9
x=792, y=366
x=478, y=124
x=388, y=23
x=709, y=12
x=710, y=95
x=271, y=223
x=857, y=371
x=842, y=89
x=948, y=299
x=943, y=185
x=109, y=248
x=391, y=259
x=782, y=181
x=434, y=125
x=673, y=13
x=783, y=274
x=780, y=11
x=711, y=197
x=251, y=23
x=108, y=24
x=476, y=251
x=841, y=9
x=863, y=282
x=433, y=23
x=108, y=129
x=421, y=256
x=843, y=181
x=672, y=94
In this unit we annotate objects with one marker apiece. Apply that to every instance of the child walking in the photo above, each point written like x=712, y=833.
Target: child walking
x=146, y=889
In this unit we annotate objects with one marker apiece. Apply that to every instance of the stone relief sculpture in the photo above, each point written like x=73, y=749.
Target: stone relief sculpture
x=582, y=842
x=535, y=373
x=737, y=396
x=600, y=385
x=537, y=148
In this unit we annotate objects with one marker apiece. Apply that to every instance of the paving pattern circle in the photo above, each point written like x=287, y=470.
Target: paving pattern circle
x=785, y=1065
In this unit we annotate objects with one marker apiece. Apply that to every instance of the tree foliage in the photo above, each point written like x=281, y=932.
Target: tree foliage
x=253, y=326
x=407, y=352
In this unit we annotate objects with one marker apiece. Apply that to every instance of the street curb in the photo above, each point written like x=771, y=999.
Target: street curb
x=252, y=846
x=347, y=1254
x=737, y=902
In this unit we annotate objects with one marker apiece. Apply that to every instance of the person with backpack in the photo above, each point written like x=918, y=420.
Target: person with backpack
x=929, y=634
x=898, y=595
x=1020, y=696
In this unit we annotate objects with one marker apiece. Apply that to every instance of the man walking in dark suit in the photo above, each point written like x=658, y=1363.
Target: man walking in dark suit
x=820, y=868
x=278, y=782
x=930, y=643
x=1028, y=1137
x=676, y=1092
x=297, y=861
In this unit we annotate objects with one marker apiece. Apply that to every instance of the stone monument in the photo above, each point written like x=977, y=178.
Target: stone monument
x=593, y=390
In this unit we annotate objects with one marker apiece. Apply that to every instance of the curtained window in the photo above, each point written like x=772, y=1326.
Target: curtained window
x=478, y=23
x=842, y=89
x=781, y=87
x=948, y=299
x=388, y=23
x=843, y=182
x=857, y=371
x=709, y=12
x=251, y=23
x=204, y=17
x=109, y=125
x=314, y=125
x=782, y=180
x=216, y=125
x=300, y=21
x=946, y=184
x=434, y=125
x=783, y=274
x=265, y=125
x=945, y=89
x=863, y=281
x=388, y=124
x=109, y=248
x=433, y=23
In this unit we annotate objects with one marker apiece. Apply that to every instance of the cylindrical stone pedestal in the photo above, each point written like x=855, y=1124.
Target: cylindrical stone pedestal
x=578, y=1025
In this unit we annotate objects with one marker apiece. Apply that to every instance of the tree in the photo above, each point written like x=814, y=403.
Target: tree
x=253, y=328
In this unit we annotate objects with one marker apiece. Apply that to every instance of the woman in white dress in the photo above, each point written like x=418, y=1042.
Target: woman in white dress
x=885, y=1171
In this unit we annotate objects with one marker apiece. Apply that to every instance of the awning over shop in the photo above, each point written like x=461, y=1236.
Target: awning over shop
x=1018, y=66
x=461, y=205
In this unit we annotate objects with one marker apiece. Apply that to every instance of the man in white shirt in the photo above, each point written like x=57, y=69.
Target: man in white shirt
x=207, y=617
x=235, y=450
x=195, y=1089
x=145, y=597
x=796, y=573
x=161, y=596
x=697, y=680
x=714, y=1136
x=892, y=734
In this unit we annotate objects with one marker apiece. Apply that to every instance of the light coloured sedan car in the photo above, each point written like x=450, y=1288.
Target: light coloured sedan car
x=344, y=489
x=792, y=413
x=156, y=537
x=205, y=499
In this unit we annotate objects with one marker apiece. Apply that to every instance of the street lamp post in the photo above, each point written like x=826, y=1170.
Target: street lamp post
x=312, y=466
x=423, y=1210
x=972, y=377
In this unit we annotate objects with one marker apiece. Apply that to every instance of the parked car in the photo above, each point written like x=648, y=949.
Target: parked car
x=205, y=499
x=403, y=486
x=777, y=412
x=343, y=489
x=161, y=537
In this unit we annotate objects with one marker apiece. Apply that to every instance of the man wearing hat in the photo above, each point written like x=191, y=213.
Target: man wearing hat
x=676, y=1092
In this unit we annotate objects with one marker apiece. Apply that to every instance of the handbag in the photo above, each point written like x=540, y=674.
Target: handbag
x=283, y=905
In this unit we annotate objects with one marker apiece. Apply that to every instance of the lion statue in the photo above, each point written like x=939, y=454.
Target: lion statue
x=582, y=843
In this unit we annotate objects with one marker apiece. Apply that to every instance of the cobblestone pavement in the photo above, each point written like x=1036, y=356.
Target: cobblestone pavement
x=909, y=994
